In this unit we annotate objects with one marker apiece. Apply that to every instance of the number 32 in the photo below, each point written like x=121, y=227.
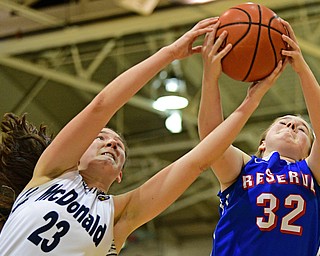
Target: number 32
x=271, y=205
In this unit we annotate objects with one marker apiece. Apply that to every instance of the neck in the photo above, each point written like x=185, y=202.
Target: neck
x=286, y=158
x=92, y=182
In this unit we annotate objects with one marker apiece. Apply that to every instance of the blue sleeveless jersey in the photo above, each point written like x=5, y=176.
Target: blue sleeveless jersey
x=272, y=209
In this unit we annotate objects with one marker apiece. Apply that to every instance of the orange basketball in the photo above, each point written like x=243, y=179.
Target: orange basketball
x=255, y=33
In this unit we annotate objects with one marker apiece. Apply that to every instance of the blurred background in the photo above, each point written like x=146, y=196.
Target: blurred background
x=55, y=55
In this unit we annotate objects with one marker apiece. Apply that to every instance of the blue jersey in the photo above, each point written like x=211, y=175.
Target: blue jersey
x=272, y=209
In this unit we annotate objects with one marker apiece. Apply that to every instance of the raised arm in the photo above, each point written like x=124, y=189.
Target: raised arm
x=210, y=110
x=311, y=93
x=68, y=146
x=154, y=196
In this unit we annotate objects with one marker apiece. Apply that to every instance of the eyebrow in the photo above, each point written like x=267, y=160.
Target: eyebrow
x=117, y=136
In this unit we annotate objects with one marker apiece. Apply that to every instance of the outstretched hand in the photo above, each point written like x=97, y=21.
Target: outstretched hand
x=293, y=54
x=183, y=47
x=210, y=51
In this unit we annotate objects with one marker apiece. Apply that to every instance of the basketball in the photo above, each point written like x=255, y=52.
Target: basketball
x=255, y=33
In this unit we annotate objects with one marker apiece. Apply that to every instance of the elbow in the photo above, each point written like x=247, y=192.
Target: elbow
x=202, y=167
x=98, y=104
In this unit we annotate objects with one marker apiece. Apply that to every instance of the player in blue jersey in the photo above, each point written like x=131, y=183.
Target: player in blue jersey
x=270, y=204
x=65, y=208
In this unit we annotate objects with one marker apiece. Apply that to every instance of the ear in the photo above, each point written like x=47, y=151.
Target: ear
x=262, y=146
x=119, y=178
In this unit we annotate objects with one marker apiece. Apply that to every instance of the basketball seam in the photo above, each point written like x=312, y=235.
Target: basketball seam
x=257, y=45
x=250, y=23
x=248, y=29
x=271, y=42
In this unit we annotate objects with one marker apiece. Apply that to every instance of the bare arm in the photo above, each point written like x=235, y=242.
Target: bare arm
x=69, y=145
x=210, y=111
x=311, y=93
x=154, y=196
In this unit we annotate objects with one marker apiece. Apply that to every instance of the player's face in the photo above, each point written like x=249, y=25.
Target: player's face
x=291, y=136
x=107, y=150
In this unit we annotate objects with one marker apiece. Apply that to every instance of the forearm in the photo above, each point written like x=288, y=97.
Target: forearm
x=311, y=92
x=132, y=80
x=210, y=110
x=309, y=84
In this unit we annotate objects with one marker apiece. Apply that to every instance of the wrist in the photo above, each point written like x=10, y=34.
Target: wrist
x=304, y=69
x=210, y=78
x=252, y=101
x=168, y=51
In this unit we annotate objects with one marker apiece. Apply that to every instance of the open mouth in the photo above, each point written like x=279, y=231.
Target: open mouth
x=109, y=155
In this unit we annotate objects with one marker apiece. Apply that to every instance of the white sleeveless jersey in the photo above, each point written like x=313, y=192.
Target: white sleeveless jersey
x=61, y=217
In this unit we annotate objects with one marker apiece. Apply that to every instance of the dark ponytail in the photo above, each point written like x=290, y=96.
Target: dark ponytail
x=21, y=145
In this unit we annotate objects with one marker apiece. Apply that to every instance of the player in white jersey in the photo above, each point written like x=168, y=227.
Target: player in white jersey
x=267, y=205
x=65, y=209
x=65, y=203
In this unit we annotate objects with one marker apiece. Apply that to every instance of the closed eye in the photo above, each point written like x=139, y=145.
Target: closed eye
x=303, y=129
x=120, y=145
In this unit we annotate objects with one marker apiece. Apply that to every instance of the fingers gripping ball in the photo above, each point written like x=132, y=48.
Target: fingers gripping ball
x=255, y=33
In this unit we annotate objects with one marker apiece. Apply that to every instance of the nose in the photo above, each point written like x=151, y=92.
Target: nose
x=112, y=144
x=291, y=125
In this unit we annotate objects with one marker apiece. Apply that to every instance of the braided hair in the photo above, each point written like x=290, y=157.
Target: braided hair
x=22, y=143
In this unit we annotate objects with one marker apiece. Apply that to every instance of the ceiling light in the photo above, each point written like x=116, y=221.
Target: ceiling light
x=169, y=93
x=174, y=122
x=170, y=102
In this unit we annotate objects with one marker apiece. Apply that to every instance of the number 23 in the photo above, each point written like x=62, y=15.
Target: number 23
x=62, y=226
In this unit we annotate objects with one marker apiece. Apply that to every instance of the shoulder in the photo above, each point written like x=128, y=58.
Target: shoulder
x=71, y=175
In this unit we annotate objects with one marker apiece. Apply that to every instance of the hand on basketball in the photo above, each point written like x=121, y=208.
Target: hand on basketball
x=183, y=47
x=258, y=89
x=210, y=52
x=293, y=53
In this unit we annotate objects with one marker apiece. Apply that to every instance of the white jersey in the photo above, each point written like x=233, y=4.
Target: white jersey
x=61, y=217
